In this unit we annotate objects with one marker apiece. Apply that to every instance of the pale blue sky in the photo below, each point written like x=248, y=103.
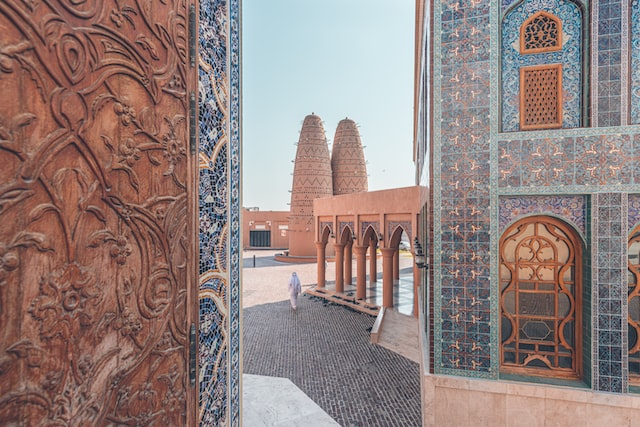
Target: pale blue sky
x=336, y=58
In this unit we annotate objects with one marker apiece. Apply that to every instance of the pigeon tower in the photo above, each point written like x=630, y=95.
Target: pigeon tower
x=347, y=160
x=311, y=180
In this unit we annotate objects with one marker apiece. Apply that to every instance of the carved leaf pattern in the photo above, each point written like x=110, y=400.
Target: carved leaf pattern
x=93, y=191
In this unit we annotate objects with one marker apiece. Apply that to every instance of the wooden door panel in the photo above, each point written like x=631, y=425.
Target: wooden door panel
x=96, y=206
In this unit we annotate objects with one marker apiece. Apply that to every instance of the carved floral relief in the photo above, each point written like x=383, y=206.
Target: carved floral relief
x=94, y=252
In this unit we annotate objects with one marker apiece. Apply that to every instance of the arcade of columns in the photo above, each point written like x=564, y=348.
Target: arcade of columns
x=324, y=189
x=382, y=217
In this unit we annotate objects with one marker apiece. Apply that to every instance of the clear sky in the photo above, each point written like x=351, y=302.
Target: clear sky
x=337, y=59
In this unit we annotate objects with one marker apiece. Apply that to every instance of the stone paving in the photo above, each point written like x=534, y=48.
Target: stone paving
x=324, y=349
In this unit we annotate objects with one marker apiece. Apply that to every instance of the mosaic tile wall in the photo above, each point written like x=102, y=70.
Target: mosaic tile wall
x=486, y=179
x=635, y=62
x=571, y=209
x=219, y=209
x=562, y=163
x=462, y=337
x=608, y=34
x=633, y=213
x=609, y=300
x=570, y=57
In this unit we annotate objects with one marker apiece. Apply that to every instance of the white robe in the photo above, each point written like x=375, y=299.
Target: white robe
x=294, y=290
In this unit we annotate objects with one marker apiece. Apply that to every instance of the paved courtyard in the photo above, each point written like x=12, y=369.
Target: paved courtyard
x=324, y=349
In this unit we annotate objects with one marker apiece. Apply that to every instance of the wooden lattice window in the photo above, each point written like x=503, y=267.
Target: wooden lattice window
x=634, y=307
x=542, y=32
x=541, y=97
x=540, y=299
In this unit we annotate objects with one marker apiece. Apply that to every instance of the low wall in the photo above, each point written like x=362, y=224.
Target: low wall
x=456, y=401
x=295, y=259
x=459, y=401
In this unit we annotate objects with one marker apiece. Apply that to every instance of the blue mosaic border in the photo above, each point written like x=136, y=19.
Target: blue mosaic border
x=219, y=210
x=635, y=62
x=235, y=258
x=495, y=114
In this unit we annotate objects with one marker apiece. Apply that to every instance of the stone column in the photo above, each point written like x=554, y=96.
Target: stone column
x=396, y=266
x=348, y=262
x=320, y=248
x=373, y=262
x=361, y=271
x=339, y=267
x=387, y=277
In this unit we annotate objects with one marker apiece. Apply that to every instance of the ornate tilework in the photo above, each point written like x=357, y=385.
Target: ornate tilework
x=484, y=179
x=393, y=225
x=568, y=163
x=462, y=317
x=219, y=158
x=634, y=212
x=346, y=224
x=609, y=303
x=635, y=62
x=366, y=224
x=568, y=208
x=607, y=90
x=235, y=308
x=570, y=57
x=327, y=224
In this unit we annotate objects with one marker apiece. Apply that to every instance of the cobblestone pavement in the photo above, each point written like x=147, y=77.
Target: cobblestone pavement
x=324, y=349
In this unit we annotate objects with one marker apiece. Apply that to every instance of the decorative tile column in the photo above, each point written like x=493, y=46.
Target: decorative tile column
x=609, y=299
x=610, y=74
x=462, y=201
x=635, y=61
x=219, y=210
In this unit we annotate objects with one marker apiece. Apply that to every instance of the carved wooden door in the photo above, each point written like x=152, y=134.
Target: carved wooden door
x=97, y=240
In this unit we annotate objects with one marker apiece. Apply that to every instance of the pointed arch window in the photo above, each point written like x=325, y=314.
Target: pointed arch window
x=633, y=297
x=542, y=32
x=542, y=67
x=540, y=299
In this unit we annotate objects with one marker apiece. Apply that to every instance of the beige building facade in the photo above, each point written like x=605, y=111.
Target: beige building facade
x=265, y=229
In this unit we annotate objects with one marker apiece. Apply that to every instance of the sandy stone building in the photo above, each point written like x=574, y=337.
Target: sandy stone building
x=265, y=229
x=348, y=165
x=316, y=174
x=312, y=178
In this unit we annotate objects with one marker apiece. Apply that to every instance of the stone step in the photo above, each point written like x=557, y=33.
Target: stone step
x=343, y=299
x=399, y=333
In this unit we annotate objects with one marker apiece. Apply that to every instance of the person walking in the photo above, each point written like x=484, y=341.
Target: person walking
x=294, y=289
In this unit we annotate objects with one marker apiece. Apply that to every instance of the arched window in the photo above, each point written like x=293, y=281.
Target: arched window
x=542, y=32
x=634, y=306
x=542, y=66
x=540, y=299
